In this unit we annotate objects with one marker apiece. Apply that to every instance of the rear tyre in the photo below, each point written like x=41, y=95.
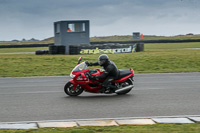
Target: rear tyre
x=70, y=91
x=124, y=84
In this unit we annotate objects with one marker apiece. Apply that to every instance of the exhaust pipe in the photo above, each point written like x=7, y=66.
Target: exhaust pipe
x=124, y=89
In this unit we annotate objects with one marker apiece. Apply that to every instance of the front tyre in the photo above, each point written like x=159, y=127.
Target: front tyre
x=70, y=91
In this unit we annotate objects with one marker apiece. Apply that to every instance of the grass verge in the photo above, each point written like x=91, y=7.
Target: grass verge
x=157, y=58
x=158, y=128
x=16, y=50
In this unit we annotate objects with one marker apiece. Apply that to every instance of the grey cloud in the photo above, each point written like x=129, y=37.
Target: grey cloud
x=30, y=18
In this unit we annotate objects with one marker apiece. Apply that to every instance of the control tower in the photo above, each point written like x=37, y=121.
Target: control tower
x=73, y=32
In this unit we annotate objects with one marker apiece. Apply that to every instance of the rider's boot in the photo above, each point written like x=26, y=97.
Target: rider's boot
x=108, y=89
x=112, y=87
x=102, y=90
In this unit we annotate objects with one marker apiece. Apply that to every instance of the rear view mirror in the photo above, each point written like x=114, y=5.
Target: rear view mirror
x=79, y=60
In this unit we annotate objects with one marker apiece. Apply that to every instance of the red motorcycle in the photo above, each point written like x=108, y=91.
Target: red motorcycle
x=81, y=81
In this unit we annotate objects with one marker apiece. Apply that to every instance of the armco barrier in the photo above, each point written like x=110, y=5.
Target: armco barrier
x=92, y=43
x=149, y=41
x=25, y=45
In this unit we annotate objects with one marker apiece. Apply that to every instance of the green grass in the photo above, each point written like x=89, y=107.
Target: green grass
x=16, y=50
x=170, y=46
x=158, y=128
x=46, y=41
x=157, y=58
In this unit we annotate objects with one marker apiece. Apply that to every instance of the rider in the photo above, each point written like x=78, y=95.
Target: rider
x=110, y=73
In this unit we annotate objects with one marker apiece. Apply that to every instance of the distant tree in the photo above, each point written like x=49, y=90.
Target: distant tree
x=23, y=40
x=190, y=34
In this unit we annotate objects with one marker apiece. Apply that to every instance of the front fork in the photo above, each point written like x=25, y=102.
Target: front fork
x=74, y=83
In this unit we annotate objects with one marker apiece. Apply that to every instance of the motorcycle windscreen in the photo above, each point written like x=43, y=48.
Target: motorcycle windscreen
x=80, y=67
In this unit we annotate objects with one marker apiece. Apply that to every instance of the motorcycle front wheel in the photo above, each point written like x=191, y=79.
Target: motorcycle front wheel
x=70, y=91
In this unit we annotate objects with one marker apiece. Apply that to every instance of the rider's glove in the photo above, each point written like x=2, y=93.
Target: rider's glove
x=88, y=64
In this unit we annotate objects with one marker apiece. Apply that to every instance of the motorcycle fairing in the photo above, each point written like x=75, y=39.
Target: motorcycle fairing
x=125, y=78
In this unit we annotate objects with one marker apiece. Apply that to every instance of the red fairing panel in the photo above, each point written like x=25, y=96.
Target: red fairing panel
x=125, y=78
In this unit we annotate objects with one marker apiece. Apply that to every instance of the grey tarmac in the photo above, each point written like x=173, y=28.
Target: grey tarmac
x=43, y=98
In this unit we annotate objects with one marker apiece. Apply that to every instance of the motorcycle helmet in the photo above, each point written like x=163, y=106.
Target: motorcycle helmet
x=103, y=59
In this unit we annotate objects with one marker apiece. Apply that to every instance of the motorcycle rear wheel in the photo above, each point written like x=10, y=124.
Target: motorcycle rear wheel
x=70, y=91
x=126, y=83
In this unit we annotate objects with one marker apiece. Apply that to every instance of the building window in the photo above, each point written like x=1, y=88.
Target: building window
x=57, y=28
x=76, y=27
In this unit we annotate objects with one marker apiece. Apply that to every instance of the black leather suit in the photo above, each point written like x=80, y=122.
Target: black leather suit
x=110, y=73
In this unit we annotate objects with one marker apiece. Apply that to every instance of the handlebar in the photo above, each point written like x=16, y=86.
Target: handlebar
x=87, y=75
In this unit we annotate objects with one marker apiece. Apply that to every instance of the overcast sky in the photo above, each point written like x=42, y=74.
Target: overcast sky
x=34, y=18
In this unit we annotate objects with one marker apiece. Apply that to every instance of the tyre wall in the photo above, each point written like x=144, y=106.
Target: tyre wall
x=42, y=52
x=56, y=49
x=139, y=47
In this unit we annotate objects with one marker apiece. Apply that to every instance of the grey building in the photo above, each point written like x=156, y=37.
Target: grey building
x=136, y=35
x=73, y=32
x=139, y=45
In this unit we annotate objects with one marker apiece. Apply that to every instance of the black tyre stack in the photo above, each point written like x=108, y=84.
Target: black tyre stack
x=139, y=47
x=42, y=52
x=56, y=49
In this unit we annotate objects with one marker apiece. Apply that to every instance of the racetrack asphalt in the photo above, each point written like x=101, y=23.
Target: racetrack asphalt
x=43, y=98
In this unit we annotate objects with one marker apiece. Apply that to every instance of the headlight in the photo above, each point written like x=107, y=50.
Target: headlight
x=72, y=75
